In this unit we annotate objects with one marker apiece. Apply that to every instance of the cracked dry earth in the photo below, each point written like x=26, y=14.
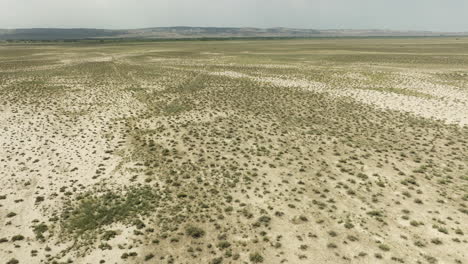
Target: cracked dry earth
x=284, y=151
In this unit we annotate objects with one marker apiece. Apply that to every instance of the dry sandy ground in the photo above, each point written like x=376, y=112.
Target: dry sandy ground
x=188, y=153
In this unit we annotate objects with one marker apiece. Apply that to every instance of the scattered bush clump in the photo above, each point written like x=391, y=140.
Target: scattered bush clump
x=195, y=232
x=256, y=257
x=92, y=212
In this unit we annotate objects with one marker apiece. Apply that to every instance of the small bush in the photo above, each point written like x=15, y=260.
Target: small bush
x=224, y=244
x=332, y=245
x=13, y=261
x=39, y=230
x=195, y=232
x=17, y=238
x=384, y=247
x=256, y=257
x=11, y=214
x=217, y=260
x=149, y=256
x=108, y=235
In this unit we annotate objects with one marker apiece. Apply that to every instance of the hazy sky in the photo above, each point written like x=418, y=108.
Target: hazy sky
x=439, y=15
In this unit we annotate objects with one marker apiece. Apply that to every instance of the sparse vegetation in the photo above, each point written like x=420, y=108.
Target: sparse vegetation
x=323, y=150
x=91, y=212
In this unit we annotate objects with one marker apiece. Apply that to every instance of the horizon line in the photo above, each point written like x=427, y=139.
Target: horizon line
x=246, y=27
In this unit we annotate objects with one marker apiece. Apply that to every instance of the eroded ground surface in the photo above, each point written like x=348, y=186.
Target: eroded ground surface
x=292, y=151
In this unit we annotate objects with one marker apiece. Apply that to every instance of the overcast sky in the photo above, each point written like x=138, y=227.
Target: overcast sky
x=437, y=15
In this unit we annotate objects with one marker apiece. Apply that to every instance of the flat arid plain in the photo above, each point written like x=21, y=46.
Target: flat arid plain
x=245, y=151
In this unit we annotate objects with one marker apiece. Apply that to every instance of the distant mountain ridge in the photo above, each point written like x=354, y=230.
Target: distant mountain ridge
x=185, y=32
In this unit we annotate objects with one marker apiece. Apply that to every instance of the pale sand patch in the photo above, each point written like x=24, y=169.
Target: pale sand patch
x=449, y=111
x=425, y=83
x=231, y=74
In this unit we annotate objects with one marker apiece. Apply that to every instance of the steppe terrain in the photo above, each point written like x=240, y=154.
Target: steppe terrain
x=273, y=151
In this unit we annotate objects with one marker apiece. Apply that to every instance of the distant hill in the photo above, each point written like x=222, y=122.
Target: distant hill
x=194, y=32
x=57, y=33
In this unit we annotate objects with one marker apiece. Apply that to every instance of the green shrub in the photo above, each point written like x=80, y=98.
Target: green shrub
x=93, y=212
x=256, y=257
x=17, y=238
x=384, y=247
x=224, y=244
x=195, y=232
